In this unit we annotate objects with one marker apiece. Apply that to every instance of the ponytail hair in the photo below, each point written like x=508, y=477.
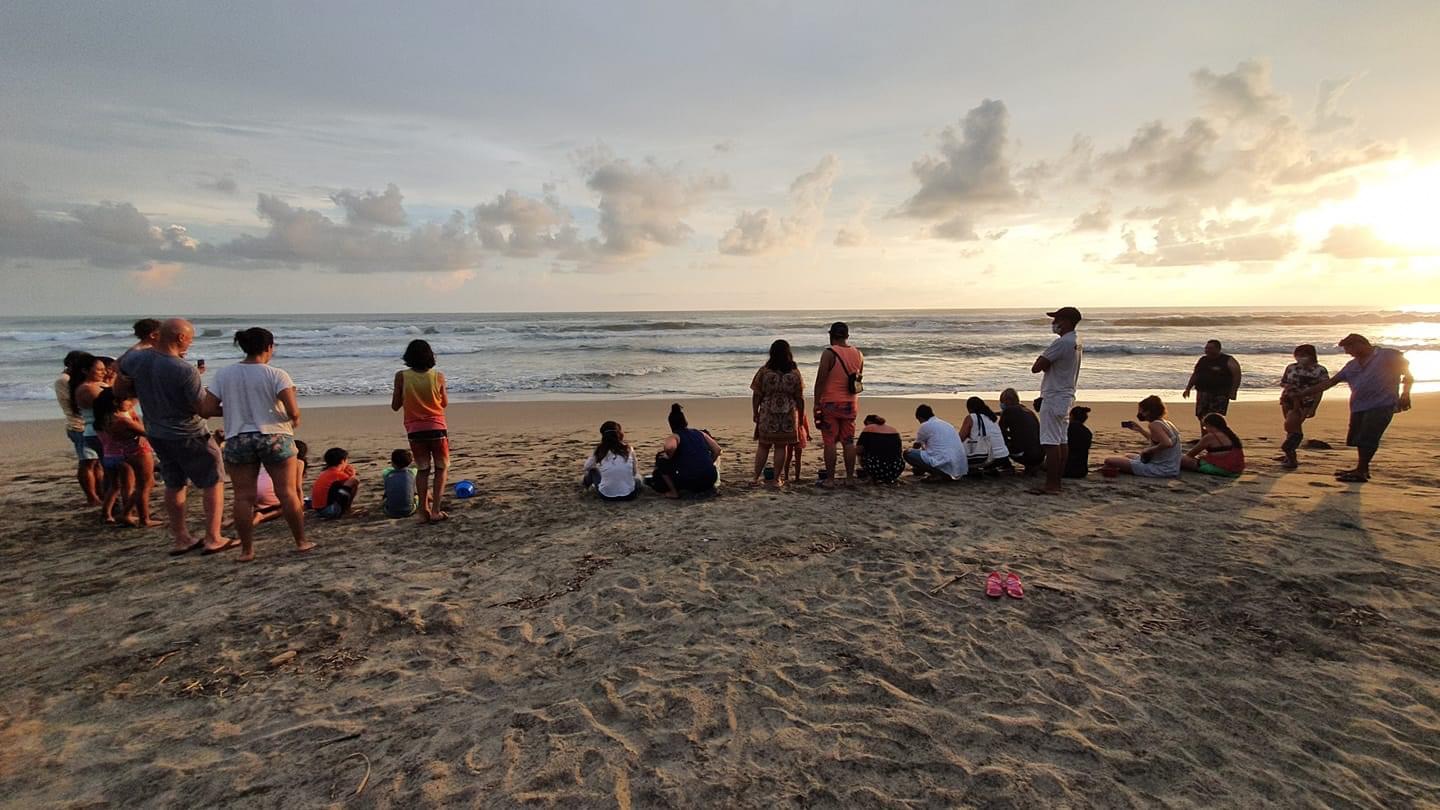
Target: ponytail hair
x=254, y=341
x=610, y=442
x=1216, y=422
x=677, y=418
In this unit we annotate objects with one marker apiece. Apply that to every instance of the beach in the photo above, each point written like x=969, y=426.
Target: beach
x=1272, y=640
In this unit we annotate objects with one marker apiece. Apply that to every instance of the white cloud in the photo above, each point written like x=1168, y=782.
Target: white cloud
x=1096, y=219
x=765, y=232
x=854, y=233
x=1165, y=162
x=1328, y=117
x=1187, y=240
x=1244, y=93
x=109, y=234
x=956, y=229
x=641, y=206
x=523, y=226
x=370, y=208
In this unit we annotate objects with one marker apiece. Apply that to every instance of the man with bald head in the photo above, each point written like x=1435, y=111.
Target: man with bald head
x=170, y=393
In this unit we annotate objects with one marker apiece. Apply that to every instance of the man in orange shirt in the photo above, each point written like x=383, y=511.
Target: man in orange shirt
x=837, y=400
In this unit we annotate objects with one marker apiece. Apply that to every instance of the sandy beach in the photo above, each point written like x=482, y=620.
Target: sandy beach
x=1267, y=641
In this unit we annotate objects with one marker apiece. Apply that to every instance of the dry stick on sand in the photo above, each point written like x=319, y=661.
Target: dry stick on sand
x=364, y=780
x=947, y=583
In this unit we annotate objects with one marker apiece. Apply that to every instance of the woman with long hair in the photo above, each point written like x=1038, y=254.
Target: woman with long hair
x=420, y=390
x=1219, y=451
x=261, y=413
x=984, y=441
x=610, y=469
x=777, y=401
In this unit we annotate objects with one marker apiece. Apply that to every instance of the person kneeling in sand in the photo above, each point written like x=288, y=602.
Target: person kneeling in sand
x=687, y=462
x=336, y=487
x=398, y=482
x=938, y=452
x=1221, y=449
x=878, y=450
x=1162, y=458
x=610, y=470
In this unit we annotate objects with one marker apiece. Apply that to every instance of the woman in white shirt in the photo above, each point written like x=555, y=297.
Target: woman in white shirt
x=611, y=468
x=261, y=413
x=984, y=443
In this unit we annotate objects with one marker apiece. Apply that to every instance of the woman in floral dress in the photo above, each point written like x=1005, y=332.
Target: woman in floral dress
x=778, y=400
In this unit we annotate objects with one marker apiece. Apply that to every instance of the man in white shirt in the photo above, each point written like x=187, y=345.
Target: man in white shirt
x=1060, y=363
x=938, y=449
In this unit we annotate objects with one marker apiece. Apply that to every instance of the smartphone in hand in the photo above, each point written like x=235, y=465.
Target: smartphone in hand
x=1128, y=425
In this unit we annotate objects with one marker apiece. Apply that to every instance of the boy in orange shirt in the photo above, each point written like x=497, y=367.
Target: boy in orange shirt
x=337, y=485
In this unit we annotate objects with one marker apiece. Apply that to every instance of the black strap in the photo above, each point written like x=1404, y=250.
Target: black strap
x=839, y=360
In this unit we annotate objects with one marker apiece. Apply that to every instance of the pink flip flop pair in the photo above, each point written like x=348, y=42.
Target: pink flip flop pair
x=1009, y=585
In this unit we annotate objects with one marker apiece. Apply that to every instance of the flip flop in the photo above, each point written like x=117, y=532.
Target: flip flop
x=177, y=552
x=229, y=544
x=1013, y=588
x=993, y=586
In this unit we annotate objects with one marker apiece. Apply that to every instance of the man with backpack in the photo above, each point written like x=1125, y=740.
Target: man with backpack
x=837, y=399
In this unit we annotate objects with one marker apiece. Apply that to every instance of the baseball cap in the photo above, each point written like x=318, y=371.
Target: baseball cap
x=1070, y=314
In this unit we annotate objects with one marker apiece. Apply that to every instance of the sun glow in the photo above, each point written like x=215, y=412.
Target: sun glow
x=1398, y=208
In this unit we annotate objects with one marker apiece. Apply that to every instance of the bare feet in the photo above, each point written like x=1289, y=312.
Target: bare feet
x=309, y=546
x=246, y=557
x=436, y=517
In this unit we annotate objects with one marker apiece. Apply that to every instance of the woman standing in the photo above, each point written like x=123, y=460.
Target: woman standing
x=90, y=377
x=261, y=413
x=1305, y=372
x=1162, y=458
x=777, y=402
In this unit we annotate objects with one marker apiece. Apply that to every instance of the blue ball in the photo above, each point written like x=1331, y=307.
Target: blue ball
x=466, y=489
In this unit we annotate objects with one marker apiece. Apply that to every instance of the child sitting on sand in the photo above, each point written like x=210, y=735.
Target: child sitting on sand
x=127, y=460
x=1080, y=439
x=399, y=482
x=610, y=470
x=337, y=485
x=1221, y=449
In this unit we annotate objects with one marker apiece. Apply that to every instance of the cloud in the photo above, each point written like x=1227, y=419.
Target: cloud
x=370, y=208
x=224, y=185
x=956, y=229
x=1096, y=219
x=766, y=232
x=1328, y=117
x=1242, y=94
x=642, y=205
x=1162, y=161
x=1361, y=242
x=972, y=174
x=523, y=226
x=157, y=275
x=1186, y=241
x=300, y=235
x=725, y=147
x=448, y=282
x=1315, y=164
x=854, y=233
x=109, y=234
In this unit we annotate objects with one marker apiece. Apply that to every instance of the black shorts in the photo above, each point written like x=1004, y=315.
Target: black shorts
x=1366, y=427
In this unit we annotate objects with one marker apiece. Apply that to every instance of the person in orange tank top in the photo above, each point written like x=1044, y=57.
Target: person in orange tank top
x=420, y=390
x=835, y=402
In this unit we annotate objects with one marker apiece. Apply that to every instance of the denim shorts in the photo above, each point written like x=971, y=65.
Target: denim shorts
x=83, y=449
x=259, y=448
x=195, y=459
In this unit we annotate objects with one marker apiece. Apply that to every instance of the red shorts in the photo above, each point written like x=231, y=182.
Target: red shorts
x=837, y=423
x=428, y=446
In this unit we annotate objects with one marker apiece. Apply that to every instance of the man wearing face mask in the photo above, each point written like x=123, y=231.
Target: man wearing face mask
x=1060, y=363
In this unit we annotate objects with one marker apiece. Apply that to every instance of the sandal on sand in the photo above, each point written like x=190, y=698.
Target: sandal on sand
x=176, y=552
x=1013, y=588
x=229, y=544
x=993, y=587
x=1352, y=478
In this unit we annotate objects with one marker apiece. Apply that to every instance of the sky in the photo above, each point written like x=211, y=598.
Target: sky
x=209, y=158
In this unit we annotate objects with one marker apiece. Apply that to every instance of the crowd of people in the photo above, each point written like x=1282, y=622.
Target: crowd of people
x=119, y=450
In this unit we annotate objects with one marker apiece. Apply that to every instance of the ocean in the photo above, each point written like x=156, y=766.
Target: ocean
x=351, y=359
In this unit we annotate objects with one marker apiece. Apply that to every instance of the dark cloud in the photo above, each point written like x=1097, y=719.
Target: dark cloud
x=370, y=208
x=1244, y=93
x=956, y=229
x=301, y=236
x=1096, y=219
x=641, y=205
x=224, y=185
x=1361, y=242
x=109, y=234
x=523, y=226
x=765, y=232
x=971, y=176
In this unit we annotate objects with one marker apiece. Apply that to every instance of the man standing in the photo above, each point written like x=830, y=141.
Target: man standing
x=1216, y=378
x=1373, y=374
x=87, y=470
x=171, y=395
x=837, y=389
x=1060, y=363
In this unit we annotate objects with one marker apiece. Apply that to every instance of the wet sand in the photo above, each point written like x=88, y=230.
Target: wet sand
x=1267, y=641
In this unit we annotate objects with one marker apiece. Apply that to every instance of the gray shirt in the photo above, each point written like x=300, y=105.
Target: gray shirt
x=169, y=391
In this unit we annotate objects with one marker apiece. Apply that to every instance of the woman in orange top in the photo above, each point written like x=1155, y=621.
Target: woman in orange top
x=420, y=390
